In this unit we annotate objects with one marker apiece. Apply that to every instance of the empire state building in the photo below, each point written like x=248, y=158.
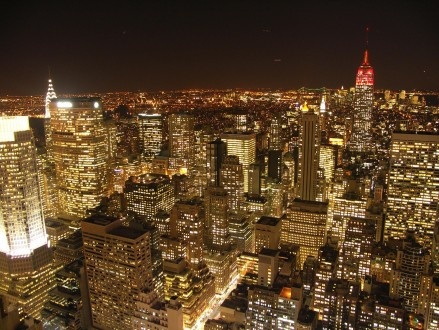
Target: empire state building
x=361, y=139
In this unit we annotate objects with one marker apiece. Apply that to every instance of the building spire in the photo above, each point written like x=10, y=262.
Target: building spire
x=49, y=97
x=366, y=54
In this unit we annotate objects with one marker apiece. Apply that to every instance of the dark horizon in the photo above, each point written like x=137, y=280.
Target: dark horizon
x=95, y=47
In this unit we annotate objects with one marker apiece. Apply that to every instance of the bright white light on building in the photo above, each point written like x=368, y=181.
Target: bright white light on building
x=96, y=105
x=64, y=104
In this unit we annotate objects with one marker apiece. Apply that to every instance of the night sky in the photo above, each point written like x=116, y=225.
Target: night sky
x=104, y=46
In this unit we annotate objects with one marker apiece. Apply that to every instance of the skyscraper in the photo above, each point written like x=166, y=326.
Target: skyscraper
x=413, y=192
x=147, y=194
x=51, y=95
x=118, y=269
x=181, y=138
x=242, y=145
x=25, y=258
x=309, y=155
x=151, y=133
x=363, y=103
x=80, y=151
x=215, y=153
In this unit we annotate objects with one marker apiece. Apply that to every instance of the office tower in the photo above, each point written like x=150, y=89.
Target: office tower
x=232, y=180
x=187, y=222
x=272, y=304
x=389, y=313
x=325, y=271
x=361, y=138
x=181, y=138
x=69, y=249
x=341, y=299
x=276, y=133
x=147, y=194
x=356, y=250
x=413, y=192
x=154, y=314
x=275, y=164
x=118, y=268
x=185, y=270
x=55, y=231
x=51, y=95
x=150, y=133
x=127, y=135
x=219, y=256
x=254, y=179
x=67, y=307
x=411, y=274
x=349, y=204
x=25, y=258
x=242, y=145
x=216, y=151
x=275, y=197
x=432, y=316
x=241, y=232
x=305, y=225
x=240, y=121
x=80, y=152
x=309, y=152
x=309, y=273
x=217, y=220
x=327, y=161
x=256, y=206
x=323, y=115
x=267, y=233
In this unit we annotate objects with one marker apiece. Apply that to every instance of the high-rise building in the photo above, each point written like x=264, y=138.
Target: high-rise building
x=356, y=250
x=232, y=180
x=80, y=152
x=242, y=145
x=25, y=258
x=181, y=138
x=158, y=315
x=309, y=153
x=254, y=179
x=361, y=137
x=272, y=303
x=51, y=95
x=216, y=151
x=148, y=194
x=267, y=233
x=413, y=192
x=217, y=219
x=118, y=268
x=327, y=262
x=411, y=278
x=305, y=225
x=150, y=133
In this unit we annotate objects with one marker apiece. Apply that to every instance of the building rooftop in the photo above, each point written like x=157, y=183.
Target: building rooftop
x=269, y=221
x=127, y=232
x=269, y=252
x=100, y=219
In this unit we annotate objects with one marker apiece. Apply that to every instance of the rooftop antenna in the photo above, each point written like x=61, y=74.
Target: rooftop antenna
x=366, y=55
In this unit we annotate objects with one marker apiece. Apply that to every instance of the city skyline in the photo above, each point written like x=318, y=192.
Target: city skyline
x=162, y=46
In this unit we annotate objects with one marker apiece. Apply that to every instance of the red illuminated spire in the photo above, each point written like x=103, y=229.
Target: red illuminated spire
x=366, y=54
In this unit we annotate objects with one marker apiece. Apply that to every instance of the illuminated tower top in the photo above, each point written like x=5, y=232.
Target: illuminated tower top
x=49, y=97
x=365, y=72
x=361, y=139
x=22, y=227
